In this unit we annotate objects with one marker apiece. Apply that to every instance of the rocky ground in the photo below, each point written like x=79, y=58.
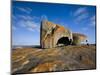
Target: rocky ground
x=66, y=58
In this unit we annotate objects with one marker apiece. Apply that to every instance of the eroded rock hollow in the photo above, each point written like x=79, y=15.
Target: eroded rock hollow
x=53, y=35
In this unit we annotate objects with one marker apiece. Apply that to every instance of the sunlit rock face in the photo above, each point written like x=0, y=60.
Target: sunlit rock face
x=66, y=58
x=53, y=35
x=77, y=38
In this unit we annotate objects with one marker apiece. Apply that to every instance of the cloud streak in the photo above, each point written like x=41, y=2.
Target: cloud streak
x=92, y=21
x=80, y=15
x=80, y=11
x=27, y=22
x=30, y=25
x=25, y=9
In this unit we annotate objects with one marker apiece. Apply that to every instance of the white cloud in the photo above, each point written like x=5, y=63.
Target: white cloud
x=25, y=9
x=30, y=29
x=80, y=11
x=29, y=25
x=28, y=22
x=25, y=17
x=28, y=17
x=92, y=21
x=80, y=15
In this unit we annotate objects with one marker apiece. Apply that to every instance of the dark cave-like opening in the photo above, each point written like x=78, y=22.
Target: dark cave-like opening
x=64, y=41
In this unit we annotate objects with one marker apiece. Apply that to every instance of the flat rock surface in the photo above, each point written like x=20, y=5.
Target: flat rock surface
x=66, y=58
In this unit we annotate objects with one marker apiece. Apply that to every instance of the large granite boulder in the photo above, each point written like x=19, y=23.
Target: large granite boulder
x=53, y=35
x=78, y=38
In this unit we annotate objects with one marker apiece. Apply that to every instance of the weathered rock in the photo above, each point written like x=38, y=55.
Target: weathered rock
x=33, y=60
x=77, y=38
x=53, y=35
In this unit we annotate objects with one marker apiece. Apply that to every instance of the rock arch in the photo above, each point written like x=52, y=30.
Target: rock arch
x=63, y=41
x=51, y=33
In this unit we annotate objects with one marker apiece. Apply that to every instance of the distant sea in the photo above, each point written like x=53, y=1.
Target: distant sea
x=33, y=46
x=25, y=46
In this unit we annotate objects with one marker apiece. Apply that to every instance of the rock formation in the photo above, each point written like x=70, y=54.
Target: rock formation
x=66, y=58
x=77, y=38
x=53, y=35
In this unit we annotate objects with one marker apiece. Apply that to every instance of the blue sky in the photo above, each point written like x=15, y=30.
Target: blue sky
x=26, y=18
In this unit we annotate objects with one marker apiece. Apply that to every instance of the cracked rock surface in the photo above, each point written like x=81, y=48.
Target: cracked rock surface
x=34, y=60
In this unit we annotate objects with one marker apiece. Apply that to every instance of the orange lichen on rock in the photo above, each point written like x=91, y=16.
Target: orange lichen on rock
x=51, y=33
x=30, y=60
x=47, y=67
x=61, y=28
